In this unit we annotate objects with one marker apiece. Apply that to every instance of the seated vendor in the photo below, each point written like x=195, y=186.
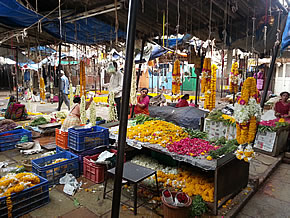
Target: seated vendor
x=282, y=107
x=143, y=103
x=74, y=117
x=15, y=110
x=183, y=101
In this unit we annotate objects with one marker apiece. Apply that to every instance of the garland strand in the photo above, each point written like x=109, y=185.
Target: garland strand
x=176, y=82
x=234, y=78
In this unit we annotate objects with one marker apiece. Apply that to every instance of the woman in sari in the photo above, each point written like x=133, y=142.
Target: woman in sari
x=143, y=103
x=15, y=110
x=74, y=117
x=282, y=107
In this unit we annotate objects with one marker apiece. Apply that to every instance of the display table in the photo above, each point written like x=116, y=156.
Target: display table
x=271, y=143
x=134, y=174
x=230, y=174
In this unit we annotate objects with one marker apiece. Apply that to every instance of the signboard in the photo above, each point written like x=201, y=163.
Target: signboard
x=265, y=141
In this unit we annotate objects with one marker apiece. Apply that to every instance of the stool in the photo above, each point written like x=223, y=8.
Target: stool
x=134, y=174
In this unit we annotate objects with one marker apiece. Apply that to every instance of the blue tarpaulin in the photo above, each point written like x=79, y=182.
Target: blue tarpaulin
x=86, y=31
x=286, y=35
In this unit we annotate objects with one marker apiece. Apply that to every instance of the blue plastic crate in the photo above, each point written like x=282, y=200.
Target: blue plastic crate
x=8, y=142
x=55, y=171
x=84, y=139
x=27, y=200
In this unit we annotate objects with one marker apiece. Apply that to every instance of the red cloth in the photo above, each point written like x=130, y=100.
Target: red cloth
x=281, y=108
x=182, y=103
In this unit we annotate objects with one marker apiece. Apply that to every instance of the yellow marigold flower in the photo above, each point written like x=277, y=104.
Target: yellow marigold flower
x=209, y=158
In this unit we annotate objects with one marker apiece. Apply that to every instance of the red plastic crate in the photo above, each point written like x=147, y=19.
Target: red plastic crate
x=92, y=171
x=95, y=172
x=61, y=139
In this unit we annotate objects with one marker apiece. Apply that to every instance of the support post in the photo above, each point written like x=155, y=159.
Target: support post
x=139, y=72
x=59, y=79
x=269, y=76
x=197, y=73
x=222, y=73
x=130, y=41
x=16, y=74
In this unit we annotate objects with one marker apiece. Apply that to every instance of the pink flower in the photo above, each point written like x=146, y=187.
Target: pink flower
x=242, y=102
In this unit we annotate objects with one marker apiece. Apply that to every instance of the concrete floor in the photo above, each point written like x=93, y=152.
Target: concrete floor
x=273, y=198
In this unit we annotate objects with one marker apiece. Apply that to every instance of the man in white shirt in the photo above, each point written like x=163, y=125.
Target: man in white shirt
x=116, y=85
x=64, y=87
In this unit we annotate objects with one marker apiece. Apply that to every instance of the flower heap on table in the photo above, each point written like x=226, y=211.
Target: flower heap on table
x=206, y=75
x=211, y=92
x=183, y=180
x=234, y=78
x=176, y=81
x=157, y=132
x=247, y=112
x=14, y=183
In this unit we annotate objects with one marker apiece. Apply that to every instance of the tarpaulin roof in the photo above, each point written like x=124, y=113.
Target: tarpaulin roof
x=87, y=31
x=286, y=35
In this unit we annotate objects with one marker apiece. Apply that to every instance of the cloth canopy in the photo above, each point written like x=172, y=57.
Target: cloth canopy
x=86, y=31
x=286, y=35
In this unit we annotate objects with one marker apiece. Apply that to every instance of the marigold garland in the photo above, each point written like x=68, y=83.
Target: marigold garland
x=206, y=74
x=210, y=95
x=176, y=81
x=82, y=78
x=234, y=78
x=42, y=88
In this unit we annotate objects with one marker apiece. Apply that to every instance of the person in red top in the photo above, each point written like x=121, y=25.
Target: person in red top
x=183, y=101
x=282, y=107
x=143, y=103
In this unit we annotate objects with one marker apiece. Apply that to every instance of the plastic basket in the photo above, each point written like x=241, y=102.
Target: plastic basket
x=27, y=200
x=54, y=172
x=92, y=171
x=61, y=139
x=9, y=139
x=90, y=152
x=84, y=139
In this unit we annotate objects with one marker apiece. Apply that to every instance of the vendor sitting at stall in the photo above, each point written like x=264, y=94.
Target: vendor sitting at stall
x=282, y=107
x=143, y=102
x=73, y=119
x=183, y=101
x=15, y=110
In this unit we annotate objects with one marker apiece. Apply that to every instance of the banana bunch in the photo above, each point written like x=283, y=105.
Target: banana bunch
x=93, y=116
x=83, y=111
x=112, y=109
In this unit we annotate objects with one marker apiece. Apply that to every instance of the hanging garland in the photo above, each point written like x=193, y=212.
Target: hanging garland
x=78, y=88
x=42, y=89
x=93, y=116
x=176, y=82
x=82, y=78
x=112, y=108
x=206, y=74
x=210, y=95
x=234, y=78
x=71, y=96
x=83, y=110
x=247, y=113
x=133, y=92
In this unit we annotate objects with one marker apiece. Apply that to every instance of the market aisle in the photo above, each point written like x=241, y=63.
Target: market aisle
x=273, y=199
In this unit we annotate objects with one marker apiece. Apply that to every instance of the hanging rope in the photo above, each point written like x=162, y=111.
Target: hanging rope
x=177, y=26
x=59, y=14
x=210, y=14
x=116, y=21
x=167, y=24
x=163, y=27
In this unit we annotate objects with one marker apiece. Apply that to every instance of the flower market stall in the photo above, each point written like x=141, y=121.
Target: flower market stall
x=189, y=148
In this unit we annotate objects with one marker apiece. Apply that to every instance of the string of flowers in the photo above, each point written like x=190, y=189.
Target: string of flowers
x=82, y=78
x=83, y=110
x=205, y=76
x=42, y=89
x=234, y=79
x=112, y=107
x=247, y=113
x=71, y=96
x=211, y=93
x=176, y=82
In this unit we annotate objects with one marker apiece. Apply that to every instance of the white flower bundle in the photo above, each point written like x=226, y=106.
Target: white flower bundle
x=112, y=109
x=71, y=96
x=133, y=91
x=93, y=115
x=83, y=110
x=78, y=90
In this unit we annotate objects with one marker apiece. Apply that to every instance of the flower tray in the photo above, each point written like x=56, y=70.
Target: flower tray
x=27, y=200
x=55, y=171
x=84, y=139
x=9, y=139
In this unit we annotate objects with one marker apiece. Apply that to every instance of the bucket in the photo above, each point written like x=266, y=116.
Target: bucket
x=170, y=211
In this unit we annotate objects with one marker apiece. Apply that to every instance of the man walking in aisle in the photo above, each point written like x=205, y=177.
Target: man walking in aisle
x=64, y=87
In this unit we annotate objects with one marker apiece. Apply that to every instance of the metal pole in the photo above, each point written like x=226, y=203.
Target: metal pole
x=196, y=85
x=222, y=73
x=269, y=76
x=59, y=79
x=130, y=43
x=139, y=72
x=16, y=74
